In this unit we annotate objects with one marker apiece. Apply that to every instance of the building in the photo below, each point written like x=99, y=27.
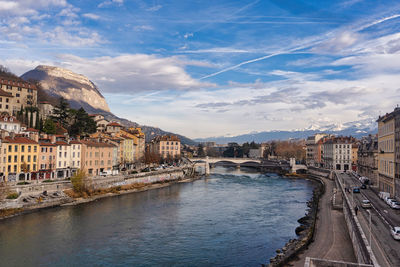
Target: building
x=367, y=158
x=167, y=146
x=354, y=156
x=63, y=160
x=97, y=157
x=313, y=149
x=19, y=157
x=100, y=122
x=337, y=153
x=75, y=154
x=16, y=93
x=46, y=110
x=386, y=156
x=10, y=124
x=113, y=127
x=47, y=159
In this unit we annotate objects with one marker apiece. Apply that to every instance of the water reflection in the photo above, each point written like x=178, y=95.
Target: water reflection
x=233, y=217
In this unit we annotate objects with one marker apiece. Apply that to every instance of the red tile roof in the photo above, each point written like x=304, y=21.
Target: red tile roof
x=6, y=118
x=15, y=81
x=18, y=140
x=31, y=130
x=61, y=143
x=46, y=144
x=4, y=93
x=114, y=124
x=75, y=142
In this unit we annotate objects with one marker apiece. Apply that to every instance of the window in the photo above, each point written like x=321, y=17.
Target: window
x=19, y=89
x=60, y=154
x=22, y=148
x=51, y=149
x=22, y=159
x=65, y=154
x=9, y=168
x=29, y=148
x=34, y=158
x=35, y=149
x=34, y=167
x=15, y=148
x=15, y=168
x=29, y=158
x=15, y=158
x=43, y=157
x=7, y=100
x=59, y=164
x=9, y=148
x=17, y=95
x=6, y=106
x=9, y=159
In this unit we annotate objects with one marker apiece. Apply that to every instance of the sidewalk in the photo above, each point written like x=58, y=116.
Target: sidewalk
x=331, y=240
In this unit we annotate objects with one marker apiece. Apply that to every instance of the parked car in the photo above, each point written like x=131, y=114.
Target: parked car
x=356, y=190
x=395, y=231
x=366, y=204
x=382, y=195
x=363, y=186
x=395, y=205
x=389, y=201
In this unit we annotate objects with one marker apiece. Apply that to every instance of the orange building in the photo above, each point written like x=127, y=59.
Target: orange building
x=97, y=157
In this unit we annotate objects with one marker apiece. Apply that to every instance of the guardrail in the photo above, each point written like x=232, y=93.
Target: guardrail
x=362, y=248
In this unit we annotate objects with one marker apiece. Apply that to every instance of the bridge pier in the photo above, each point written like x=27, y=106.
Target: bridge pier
x=207, y=167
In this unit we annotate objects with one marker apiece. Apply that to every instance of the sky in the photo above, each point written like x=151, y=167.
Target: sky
x=218, y=68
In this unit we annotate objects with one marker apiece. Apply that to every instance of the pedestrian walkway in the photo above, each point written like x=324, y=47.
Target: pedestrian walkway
x=331, y=240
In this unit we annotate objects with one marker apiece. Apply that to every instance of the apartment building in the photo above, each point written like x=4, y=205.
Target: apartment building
x=14, y=93
x=47, y=159
x=166, y=146
x=63, y=160
x=19, y=157
x=313, y=149
x=367, y=158
x=97, y=157
x=10, y=124
x=337, y=153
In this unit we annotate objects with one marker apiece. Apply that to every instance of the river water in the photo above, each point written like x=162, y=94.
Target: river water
x=232, y=218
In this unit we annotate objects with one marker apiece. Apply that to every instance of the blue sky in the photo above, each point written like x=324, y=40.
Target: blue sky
x=212, y=68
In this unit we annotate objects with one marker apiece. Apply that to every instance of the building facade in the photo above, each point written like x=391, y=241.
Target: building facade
x=167, y=146
x=367, y=158
x=97, y=157
x=14, y=93
x=337, y=153
x=386, y=156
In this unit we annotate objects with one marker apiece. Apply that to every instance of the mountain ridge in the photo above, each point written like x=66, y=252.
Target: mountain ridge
x=80, y=91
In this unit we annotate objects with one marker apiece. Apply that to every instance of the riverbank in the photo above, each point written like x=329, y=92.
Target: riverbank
x=43, y=200
x=306, y=230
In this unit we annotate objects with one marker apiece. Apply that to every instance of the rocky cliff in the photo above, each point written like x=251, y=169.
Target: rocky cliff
x=81, y=92
x=76, y=88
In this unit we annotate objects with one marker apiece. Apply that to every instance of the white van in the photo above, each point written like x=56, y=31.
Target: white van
x=384, y=195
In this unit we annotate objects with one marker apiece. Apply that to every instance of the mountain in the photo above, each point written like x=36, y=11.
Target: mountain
x=356, y=129
x=56, y=82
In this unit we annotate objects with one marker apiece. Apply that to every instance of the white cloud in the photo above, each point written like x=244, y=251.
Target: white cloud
x=154, y=8
x=132, y=73
x=187, y=35
x=110, y=2
x=143, y=28
x=91, y=16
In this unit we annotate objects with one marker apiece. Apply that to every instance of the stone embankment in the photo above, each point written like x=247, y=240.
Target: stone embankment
x=306, y=229
x=44, y=195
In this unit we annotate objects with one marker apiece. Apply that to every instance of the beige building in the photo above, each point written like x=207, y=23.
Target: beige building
x=386, y=156
x=46, y=110
x=367, y=158
x=166, y=146
x=97, y=157
x=14, y=93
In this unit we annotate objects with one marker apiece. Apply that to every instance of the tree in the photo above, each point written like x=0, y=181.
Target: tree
x=49, y=127
x=61, y=112
x=37, y=121
x=80, y=182
x=31, y=119
x=82, y=123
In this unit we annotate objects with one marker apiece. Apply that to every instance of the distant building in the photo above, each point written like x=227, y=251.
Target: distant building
x=113, y=127
x=314, y=148
x=166, y=146
x=14, y=93
x=46, y=110
x=367, y=158
x=97, y=157
x=337, y=153
x=101, y=122
x=10, y=124
x=387, y=141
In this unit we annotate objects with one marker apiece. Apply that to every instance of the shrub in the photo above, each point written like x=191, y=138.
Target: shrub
x=48, y=181
x=13, y=195
x=22, y=183
x=80, y=183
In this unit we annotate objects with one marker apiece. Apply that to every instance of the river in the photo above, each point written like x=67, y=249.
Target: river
x=232, y=218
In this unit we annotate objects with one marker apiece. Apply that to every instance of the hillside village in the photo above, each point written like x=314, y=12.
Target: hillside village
x=42, y=141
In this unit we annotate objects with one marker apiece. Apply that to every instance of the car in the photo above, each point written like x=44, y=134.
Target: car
x=390, y=200
x=395, y=231
x=363, y=186
x=356, y=190
x=395, y=205
x=366, y=204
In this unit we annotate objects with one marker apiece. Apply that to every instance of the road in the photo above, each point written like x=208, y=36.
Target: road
x=331, y=240
x=385, y=248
